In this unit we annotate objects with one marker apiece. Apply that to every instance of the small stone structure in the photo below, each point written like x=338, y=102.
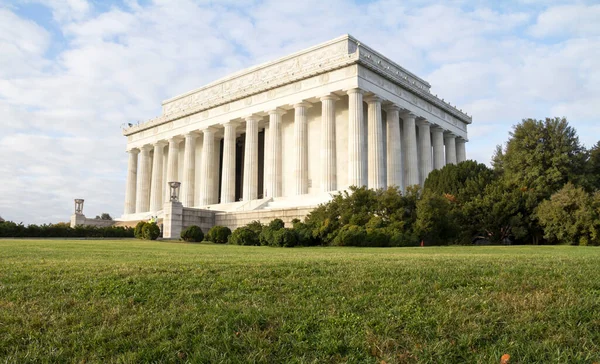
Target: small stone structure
x=78, y=218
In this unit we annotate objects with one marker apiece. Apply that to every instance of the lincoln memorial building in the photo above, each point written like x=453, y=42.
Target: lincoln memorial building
x=287, y=134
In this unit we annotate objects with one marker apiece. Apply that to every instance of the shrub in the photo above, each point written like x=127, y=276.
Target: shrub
x=137, y=232
x=218, y=234
x=150, y=231
x=267, y=235
x=304, y=233
x=377, y=237
x=192, y=234
x=255, y=226
x=244, y=236
x=9, y=229
x=350, y=235
x=401, y=238
x=284, y=238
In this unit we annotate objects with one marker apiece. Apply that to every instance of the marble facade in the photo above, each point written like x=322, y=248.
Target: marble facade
x=288, y=133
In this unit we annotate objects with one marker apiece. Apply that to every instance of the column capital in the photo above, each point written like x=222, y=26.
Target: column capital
x=160, y=143
x=355, y=90
x=209, y=129
x=329, y=97
x=371, y=99
x=436, y=128
x=232, y=123
x=408, y=115
x=461, y=139
x=253, y=118
x=423, y=122
x=391, y=108
x=133, y=150
x=193, y=133
x=449, y=135
x=146, y=147
x=277, y=111
x=175, y=139
x=305, y=104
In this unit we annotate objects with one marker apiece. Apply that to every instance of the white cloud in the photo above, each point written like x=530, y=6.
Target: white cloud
x=578, y=20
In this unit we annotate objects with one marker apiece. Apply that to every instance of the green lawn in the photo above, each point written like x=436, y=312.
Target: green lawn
x=133, y=301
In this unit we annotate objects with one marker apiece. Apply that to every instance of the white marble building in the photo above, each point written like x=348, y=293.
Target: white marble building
x=288, y=133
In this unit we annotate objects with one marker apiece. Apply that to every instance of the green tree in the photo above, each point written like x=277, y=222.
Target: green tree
x=542, y=155
x=435, y=221
x=571, y=216
x=593, y=167
x=499, y=214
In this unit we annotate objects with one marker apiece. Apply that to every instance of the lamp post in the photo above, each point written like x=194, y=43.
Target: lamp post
x=174, y=191
x=79, y=206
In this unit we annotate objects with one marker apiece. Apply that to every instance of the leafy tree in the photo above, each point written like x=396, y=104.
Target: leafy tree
x=435, y=221
x=463, y=180
x=593, y=167
x=104, y=216
x=499, y=214
x=542, y=155
x=571, y=216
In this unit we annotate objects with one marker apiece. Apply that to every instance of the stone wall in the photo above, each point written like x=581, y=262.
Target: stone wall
x=233, y=220
x=80, y=219
x=203, y=218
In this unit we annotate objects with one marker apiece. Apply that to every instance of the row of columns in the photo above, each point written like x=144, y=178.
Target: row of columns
x=407, y=160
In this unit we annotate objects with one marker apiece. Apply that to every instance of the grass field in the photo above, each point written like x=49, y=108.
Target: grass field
x=133, y=301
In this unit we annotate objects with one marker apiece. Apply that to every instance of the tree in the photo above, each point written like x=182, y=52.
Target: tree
x=104, y=216
x=542, y=155
x=593, y=167
x=571, y=216
x=499, y=214
x=435, y=221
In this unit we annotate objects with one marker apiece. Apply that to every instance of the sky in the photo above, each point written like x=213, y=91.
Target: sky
x=72, y=72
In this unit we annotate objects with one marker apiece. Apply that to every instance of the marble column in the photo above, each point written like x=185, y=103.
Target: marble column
x=172, y=165
x=250, y=183
x=357, y=166
x=208, y=171
x=189, y=170
x=266, y=160
x=425, y=156
x=130, y=191
x=461, y=152
x=301, y=148
x=156, y=188
x=228, y=178
x=142, y=199
x=376, y=165
x=409, y=143
x=450, y=144
x=328, y=155
x=437, y=139
x=273, y=182
x=394, y=147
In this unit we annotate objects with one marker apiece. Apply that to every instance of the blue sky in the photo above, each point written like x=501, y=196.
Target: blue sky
x=73, y=71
